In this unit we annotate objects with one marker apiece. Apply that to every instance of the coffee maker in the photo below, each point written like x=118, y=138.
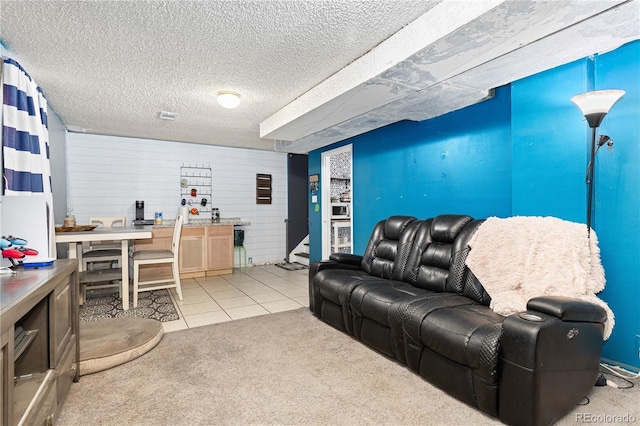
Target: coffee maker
x=139, y=210
x=140, y=220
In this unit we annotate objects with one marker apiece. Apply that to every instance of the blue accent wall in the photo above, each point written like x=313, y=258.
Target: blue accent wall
x=524, y=152
x=551, y=144
x=315, y=217
x=617, y=200
x=550, y=147
x=456, y=163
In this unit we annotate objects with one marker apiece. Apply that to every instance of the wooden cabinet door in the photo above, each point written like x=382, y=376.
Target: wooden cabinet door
x=61, y=320
x=192, y=250
x=3, y=403
x=202, y=249
x=219, y=247
x=65, y=373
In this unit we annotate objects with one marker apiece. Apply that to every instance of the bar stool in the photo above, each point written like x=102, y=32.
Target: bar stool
x=105, y=254
x=242, y=254
x=238, y=244
x=155, y=257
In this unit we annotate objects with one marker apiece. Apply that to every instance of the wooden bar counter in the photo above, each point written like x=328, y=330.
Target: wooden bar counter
x=205, y=249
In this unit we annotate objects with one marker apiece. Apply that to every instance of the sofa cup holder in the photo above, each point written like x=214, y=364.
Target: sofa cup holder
x=530, y=317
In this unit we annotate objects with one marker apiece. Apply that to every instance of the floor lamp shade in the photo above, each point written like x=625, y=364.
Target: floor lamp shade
x=595, y=105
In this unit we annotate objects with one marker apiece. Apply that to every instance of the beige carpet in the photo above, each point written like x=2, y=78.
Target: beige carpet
x=286, y=368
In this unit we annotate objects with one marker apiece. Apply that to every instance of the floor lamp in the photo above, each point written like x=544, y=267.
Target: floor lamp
x=594, y=106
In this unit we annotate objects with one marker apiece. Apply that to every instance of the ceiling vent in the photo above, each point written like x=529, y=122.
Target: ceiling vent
x=166, y=115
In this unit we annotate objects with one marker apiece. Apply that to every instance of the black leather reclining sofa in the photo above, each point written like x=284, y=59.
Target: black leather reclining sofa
x=412, y=298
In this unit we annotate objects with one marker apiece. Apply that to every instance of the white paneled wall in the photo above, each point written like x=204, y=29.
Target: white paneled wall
x=107, y=174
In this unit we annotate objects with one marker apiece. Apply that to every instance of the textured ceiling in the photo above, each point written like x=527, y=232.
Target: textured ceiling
x=310, y=72
x=110, y=67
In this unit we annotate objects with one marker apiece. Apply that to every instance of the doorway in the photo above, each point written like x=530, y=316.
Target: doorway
x=297, y=211
x=337, y=206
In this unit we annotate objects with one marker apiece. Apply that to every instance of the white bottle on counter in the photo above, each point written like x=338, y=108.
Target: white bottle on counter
x=184, y=212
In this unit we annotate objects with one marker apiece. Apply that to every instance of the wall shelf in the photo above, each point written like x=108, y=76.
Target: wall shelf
x=263, y=188
x=341, y=236
x=340, y=169
x=22, y=342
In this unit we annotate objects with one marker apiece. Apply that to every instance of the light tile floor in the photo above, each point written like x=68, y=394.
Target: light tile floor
x=247, y=292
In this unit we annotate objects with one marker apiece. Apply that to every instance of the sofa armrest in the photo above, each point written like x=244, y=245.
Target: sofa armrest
x=347, y=258
x=320, y=265
x=549, y=359
x=336, y=261
x=567, y=308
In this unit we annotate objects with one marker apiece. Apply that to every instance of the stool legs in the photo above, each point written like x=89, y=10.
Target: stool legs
x=242, y=254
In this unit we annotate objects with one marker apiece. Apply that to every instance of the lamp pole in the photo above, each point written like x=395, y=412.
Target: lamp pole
x=594, y=106
x=591, y=178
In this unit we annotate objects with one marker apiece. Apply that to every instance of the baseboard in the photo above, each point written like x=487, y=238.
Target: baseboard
x=632, y=369
x=213, y=273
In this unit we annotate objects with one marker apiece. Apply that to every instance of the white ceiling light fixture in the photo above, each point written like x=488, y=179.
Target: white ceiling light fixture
x=228, y=99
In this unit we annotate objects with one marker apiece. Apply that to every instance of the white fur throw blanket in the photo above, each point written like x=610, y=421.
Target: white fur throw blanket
x=520, y=257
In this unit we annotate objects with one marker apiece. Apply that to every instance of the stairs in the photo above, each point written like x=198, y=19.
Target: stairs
x=300, y=253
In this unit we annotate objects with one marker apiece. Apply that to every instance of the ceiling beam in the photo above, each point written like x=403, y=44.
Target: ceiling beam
x=507, y=42
x=347, y=94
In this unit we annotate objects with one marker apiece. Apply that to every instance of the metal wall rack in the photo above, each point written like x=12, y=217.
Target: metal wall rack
x=196, y=177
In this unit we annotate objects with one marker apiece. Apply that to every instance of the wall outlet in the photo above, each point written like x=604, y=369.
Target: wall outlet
x=250, y=261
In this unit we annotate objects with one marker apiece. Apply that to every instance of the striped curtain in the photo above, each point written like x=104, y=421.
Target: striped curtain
x=25, y=135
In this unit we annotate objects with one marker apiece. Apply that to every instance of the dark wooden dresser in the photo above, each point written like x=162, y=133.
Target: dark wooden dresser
x=40, y=347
